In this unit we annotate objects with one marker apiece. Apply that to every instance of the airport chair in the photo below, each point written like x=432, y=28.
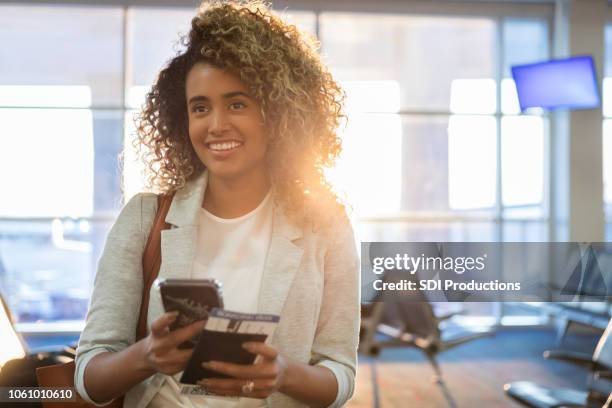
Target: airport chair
x=412, y=324
x=599, y=385
x=590, y=286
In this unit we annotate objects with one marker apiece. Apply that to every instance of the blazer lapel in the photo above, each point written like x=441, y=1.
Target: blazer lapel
x=178, y=243
x=281, y=265
x=178, y=246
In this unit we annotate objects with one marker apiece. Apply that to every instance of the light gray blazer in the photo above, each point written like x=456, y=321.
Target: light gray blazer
x=310, y=279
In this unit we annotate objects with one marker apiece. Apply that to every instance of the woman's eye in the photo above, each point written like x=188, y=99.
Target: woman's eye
x=199, y=108
x=237, y=105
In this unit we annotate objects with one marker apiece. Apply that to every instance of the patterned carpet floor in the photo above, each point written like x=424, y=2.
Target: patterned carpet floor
x=474, y=373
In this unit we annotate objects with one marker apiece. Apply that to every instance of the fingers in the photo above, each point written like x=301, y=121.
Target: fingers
x=170, y=362
x=264, y=376
x=176, y=358
x=182, y=334
x=162, y=352
x=267, y=368
x=160, y=325
x=267, y=352
x=249, y=371
x=183, y=355
x=166, y=340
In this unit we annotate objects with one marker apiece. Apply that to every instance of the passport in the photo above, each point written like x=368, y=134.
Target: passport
x=219, y=346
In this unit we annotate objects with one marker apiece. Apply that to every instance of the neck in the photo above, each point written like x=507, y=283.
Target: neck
x=232, y=198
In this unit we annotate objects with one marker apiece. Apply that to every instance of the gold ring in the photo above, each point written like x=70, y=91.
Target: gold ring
x=248, y=386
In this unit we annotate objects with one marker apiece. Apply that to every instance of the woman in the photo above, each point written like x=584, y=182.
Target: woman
x=239, y=126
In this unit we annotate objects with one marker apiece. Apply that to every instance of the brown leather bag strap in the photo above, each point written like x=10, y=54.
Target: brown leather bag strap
x=151, y=259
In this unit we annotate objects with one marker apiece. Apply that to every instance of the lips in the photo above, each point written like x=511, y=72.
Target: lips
x=223, y=149
x=224, y=145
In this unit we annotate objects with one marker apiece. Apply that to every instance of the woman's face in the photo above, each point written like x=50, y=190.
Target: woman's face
x=225, y=123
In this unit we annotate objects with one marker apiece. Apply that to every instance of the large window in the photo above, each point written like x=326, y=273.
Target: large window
x=434, y=131
x=433, y=149
x=60, y=129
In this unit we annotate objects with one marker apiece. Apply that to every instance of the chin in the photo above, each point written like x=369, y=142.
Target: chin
x=223, y=173
x=231, y=170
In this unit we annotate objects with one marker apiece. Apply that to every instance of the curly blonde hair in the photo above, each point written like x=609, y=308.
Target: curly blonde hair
x=300, y=101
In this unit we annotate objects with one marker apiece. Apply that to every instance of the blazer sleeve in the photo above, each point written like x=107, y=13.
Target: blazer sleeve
x=337, y=335
x=115, y=302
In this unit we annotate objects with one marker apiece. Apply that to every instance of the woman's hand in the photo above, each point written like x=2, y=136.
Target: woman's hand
x=258, y=380
x=160, y=346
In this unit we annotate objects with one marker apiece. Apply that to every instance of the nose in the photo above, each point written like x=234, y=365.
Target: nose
x=219, y=123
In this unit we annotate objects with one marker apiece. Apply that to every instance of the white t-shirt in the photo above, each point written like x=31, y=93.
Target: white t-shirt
x=232, y=251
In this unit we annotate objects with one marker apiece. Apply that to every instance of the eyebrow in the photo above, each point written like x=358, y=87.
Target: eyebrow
x=229, y=95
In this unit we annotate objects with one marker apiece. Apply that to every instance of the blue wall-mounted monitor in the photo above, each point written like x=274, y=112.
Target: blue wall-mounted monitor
x=561, y=83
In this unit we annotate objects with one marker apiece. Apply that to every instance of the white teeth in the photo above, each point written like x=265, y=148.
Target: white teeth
x=224, y=145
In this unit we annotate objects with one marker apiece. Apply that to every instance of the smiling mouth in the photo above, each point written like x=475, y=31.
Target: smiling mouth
x=223, y=146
